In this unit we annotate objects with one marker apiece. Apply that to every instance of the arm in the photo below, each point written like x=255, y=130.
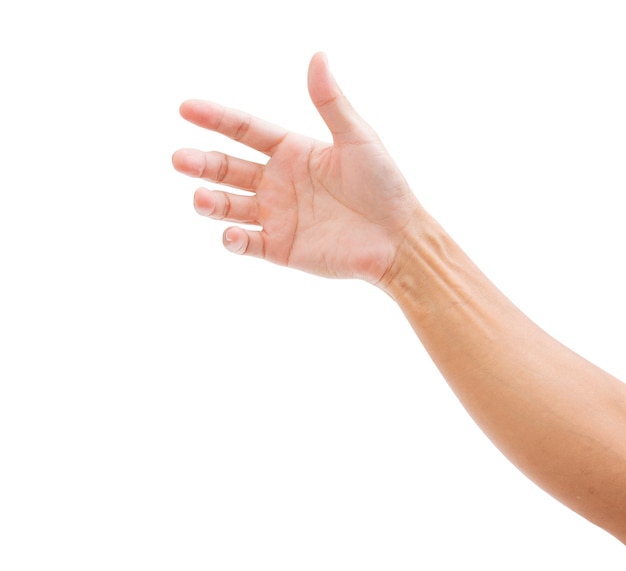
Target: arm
x=344, y=210
x=557, y=417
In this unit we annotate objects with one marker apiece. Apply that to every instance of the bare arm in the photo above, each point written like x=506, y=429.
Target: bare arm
x=344, y=210
x=560, y=419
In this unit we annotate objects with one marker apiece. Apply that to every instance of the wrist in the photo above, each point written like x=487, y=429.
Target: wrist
x=419, y=248
x=430, y=273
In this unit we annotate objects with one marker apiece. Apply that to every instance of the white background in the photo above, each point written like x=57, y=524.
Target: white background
x=167, y=405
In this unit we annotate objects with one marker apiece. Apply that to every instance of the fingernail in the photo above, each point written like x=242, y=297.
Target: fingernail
x=232, y=243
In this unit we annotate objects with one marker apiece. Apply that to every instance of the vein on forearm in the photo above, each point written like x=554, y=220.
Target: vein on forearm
x=559, y=418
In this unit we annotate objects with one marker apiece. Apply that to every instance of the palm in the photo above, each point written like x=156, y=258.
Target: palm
x=322, y=212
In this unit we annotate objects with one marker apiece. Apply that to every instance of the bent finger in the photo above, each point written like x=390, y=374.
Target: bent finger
x=226, y=206
x=238, y=125
x=218, y=167
x=244, y=242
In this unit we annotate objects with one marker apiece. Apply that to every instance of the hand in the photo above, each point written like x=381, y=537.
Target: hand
x=334, y=210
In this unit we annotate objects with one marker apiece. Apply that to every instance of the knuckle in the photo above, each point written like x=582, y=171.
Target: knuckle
x=222, y=168
x=242, y=128
x=216, y=166
x=226, y=207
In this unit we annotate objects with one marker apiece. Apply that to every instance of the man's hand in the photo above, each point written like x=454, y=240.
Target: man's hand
x=334, y=210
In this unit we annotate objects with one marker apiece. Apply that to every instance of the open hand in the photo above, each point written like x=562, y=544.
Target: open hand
x=335, y=210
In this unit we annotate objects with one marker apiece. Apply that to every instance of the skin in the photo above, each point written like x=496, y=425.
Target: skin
x=344, y=210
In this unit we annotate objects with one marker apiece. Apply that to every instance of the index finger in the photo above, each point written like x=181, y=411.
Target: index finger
x=238, y=125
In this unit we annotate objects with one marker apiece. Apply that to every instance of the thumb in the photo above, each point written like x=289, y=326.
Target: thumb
x=344, y=122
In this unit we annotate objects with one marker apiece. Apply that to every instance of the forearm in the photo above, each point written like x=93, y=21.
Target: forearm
x=559, y=418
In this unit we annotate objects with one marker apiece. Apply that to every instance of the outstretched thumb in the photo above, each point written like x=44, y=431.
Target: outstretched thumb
x=343, y=121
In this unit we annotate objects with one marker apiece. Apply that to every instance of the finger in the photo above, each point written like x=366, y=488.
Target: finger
x=240, y=241
x=219, y=168
x=343, y=121
x=226, y=206
x=237, y=125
